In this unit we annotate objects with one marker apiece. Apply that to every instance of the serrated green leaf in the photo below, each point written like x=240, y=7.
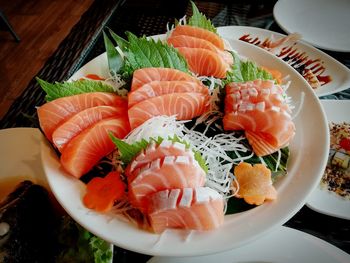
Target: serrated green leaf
x=128, y=151
x=63, y=89
x=199, y=20
x=121, y=42
x=143, y=52
x=115, y=61
x=245, y=71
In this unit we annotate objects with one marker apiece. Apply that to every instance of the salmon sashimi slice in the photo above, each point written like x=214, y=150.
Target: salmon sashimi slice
x=273, y=127
x=158, y=88
x=198, y=32
x=86, y=149
x=82, y=120
x=155, y=151
x=260, y=109
x=194, y=42
x=185, y=106
x=261, y=93
x=255, y=184
x=205, y=62
x=147, y=75
x=164, y=173
x=199, y=208
x=54, y=113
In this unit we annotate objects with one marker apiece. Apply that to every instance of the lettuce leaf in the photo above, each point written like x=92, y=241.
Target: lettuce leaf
x=199, y=20
x=246, y=71
x=129, y=151
x=63, y=89
x=78, y=245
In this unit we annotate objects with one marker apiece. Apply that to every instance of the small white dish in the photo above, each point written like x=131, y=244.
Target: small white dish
x=20, y=159
x=238, y=229
x=333, y=75
x=323, y=23
x=321, y=200
x=283, y=244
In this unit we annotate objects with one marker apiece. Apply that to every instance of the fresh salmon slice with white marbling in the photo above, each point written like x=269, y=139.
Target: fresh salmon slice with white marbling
x=158, y=88
x=168, y=172
x=146, y=75
x=85, y=150
x=205, y=62
x=260, y=109
x=194, y=42
x=185, y=106
x=198, y=32
x=54, y=113
x=199, y=208
x=156, y=151
x=81, y=121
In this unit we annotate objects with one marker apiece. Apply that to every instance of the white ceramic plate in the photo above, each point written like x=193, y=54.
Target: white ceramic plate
x=238, y=229
x=324, y=66
x=321, y=200
x=283, y=244
x=323, y=23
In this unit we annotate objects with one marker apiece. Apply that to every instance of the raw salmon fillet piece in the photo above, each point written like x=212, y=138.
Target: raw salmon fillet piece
x=54, y=113
x=86, y=149
x=164, y=173
x=156, y=151
x=185, y=106
x=199, y=208
x=261, y=110
x=158, y=88
x=205, y=62
x=198, y=32
x=147, y=75
x=194, y=42
x=82, y=120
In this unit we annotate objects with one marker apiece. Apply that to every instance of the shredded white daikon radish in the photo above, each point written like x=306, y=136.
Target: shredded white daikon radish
x=159, y=126
x=117, y=83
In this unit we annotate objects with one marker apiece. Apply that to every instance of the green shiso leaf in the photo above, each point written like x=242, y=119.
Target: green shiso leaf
x=141, y=52
x=199, y=20
x=246, y=71
x=128, y=151
x=63, y=89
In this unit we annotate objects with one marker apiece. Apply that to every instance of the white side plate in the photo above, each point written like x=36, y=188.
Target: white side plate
x=321, y=200
x=282, y=245
x=324, y=65
x=323, y=23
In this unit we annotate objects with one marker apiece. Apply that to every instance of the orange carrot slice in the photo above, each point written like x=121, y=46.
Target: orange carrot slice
x=101, y=193
x=255, y=184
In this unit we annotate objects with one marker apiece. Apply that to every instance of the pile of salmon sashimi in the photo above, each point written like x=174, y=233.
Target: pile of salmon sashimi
x=183, y=140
